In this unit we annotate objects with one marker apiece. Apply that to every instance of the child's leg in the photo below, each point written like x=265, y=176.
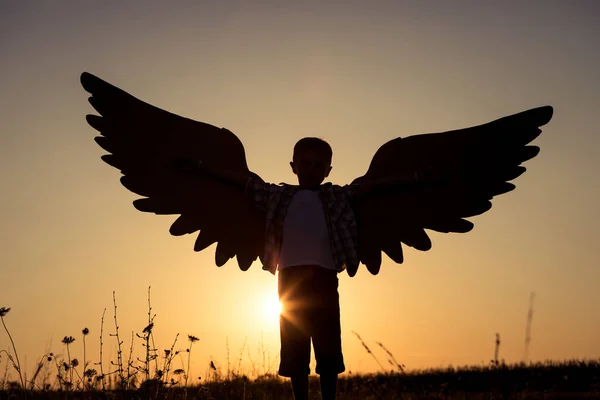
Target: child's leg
x=295, y=349
x=295, y=340
x=328, y=386
x=326, y=334
x=300, y=387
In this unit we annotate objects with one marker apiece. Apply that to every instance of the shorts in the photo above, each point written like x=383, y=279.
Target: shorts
x=311, y=310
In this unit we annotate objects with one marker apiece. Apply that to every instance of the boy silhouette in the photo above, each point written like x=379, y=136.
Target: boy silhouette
x=311, y=236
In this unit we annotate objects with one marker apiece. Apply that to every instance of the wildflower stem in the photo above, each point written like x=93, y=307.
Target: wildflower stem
x=84, y=355
x=40, y=364
x=497, y=349
x=187, y=375
x=169, y=358
x=101, y=368
x=119, y=350
x=228, y=363
x=70, y=369
x=147, y=337
x=18, y=365
x=241, y=356
x=84, y=358
x=74, y=368
x=392, y=358
x=369, y=351
x=129, y=362
x=59, y=376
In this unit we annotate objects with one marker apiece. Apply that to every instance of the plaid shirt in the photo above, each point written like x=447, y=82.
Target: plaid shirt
x=340, y=219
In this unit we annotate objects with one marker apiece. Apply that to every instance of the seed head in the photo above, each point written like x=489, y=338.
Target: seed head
x=85, y=331
x=4, y=311
x=192, y=338
x=68, y=339
x=148, y=329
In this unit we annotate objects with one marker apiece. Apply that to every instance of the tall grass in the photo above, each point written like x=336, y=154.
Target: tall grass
x=154, y=377
x=15, y=361
x=124, y=374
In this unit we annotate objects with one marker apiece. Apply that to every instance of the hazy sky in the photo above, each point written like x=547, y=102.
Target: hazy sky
x=357, y=73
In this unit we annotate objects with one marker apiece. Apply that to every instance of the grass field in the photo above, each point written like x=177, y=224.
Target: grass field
x=566, y=380
x=152, y=376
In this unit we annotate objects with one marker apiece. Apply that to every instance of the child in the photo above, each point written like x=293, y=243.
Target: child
x=311, y=236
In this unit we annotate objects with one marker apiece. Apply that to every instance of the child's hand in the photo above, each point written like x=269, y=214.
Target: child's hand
x=198, y=167
x=429, y=174
x=187, y=165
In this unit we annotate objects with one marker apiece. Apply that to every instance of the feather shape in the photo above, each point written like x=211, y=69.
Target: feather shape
x=146, y=143
x=462, y=169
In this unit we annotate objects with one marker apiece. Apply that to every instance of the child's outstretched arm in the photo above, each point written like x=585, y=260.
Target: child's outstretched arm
x=231, y=177
x=225, y=175
x=370, y=185
x=253, y=186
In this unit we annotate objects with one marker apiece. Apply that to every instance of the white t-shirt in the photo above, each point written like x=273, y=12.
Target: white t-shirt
x=305, y=233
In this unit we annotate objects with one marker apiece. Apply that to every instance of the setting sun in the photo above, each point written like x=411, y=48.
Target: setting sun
x=271, y=307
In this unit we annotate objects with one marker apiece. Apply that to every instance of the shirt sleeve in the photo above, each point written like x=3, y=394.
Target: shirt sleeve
x=261, y=193
x=350, y=190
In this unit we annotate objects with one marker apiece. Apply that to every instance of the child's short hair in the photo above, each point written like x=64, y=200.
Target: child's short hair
x=313, y=143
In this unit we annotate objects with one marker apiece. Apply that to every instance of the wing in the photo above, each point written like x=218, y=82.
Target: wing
x=466, y=168
x=149, y=144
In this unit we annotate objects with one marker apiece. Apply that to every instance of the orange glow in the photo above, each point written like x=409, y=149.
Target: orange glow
x=358, y=76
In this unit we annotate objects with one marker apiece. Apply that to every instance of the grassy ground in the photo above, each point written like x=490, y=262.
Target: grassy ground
x=569, y=380
x=152, y=376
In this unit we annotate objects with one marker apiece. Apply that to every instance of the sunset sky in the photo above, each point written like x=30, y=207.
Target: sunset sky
x=357, y=73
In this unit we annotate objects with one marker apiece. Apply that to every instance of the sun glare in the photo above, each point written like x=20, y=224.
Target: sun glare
x=263, y=310
x=271, y=307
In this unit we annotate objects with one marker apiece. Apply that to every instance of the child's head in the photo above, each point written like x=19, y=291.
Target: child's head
x=311, y=161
